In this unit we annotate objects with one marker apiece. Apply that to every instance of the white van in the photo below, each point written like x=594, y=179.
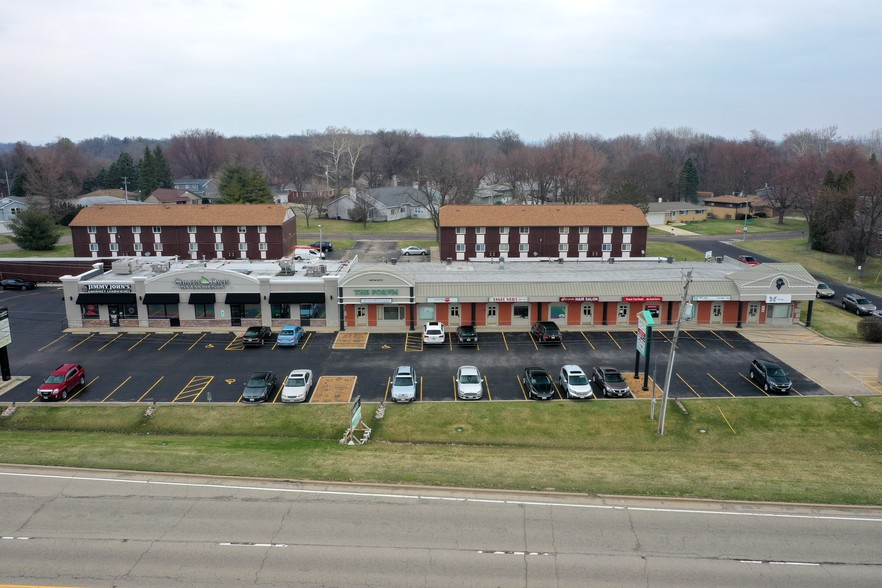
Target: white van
x=307, y=253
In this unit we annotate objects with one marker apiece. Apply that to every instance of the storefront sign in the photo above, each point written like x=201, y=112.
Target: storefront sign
x=441, y=300
x=641, y=298
x=5, y=329
x=711, y=297
x=105, y=287
x=376, y=292
x=509, y=299
x=778, y=299
x=376, y=300
x=202, y=283
x=579, y=298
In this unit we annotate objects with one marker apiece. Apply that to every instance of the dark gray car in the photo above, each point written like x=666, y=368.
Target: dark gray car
x=857, y=304
x=259, y=387
x=610, y=382
x=770, y=376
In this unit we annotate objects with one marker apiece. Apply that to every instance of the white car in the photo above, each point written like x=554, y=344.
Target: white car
x=307, y=253
x=469, y=383
x=433, y=333
x=575, y=382
x=414, y=250
x=297, y=386
x=404, y=384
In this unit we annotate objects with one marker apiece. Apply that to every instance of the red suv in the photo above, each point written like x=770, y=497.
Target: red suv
x=62, y=381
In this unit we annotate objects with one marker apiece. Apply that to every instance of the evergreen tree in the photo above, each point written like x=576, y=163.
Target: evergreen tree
x=687, y=188
x=162, y=170
x=242, y=185
x=629, y=193
x=147, y=173
x=34, y=229
x=122, y=173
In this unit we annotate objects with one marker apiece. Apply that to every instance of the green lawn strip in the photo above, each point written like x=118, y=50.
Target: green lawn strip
x=790, y=449
x=675, y=250
x=756, y=225
x=833, y=322
x=65, y=250
x=329, y=226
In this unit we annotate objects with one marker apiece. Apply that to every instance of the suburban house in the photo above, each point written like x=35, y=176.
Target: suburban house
x=217, y=231
x=205, y=189
x=114, y=196
x=290, y=194
x=560, y=231
x=736, y=207
x=170, y=196
x=666, y=213
x=9, y=208
x=382, y=204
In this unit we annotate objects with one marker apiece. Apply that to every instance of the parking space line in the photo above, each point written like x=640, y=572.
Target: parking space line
x=559, y=395
x=388, y=384
x=305, y=341
x=53, y=342
x=111, y=341
x=754, y=383
x=138, y=342
x=83, y=341
x=421, y=388
x=505, y=342
x=235, y=345
x=278, y=393
x=613, y=339
x=117, y=388
x=721, y=385
x=584, y=336
x=688, y=386
x=723, y=340
x=169, y=341
x=82, y=389
x=534, y=342
x=150, y=388
x=453, y=378
x=521, y=386
x=410, y=346
x=487, y=385
x=694, y=339
x=190, y=348
x=194, y=388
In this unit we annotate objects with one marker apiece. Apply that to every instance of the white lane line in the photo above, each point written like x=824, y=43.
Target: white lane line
x=778, y=563
x=246, y=544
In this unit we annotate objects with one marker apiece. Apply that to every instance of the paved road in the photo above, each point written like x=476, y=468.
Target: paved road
x=66, y=527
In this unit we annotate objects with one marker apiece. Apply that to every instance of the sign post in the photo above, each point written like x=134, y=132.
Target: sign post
x=645, y=322
x=356, y=425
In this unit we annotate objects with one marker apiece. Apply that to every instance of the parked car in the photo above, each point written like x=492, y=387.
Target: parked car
x=433, y=333
x=259, y=387
x=824, y=291
x=857, y=304
x=748, y=259
x=610, y=382
x=17, y=284
x=404, y=384
x=296, y=386
x=323, y=245
x=62, y=381
x=414, y=250
x=575, y=382
x=469, y=383
x=307, y=254
x=546, y=332
x=256, y=336
x=466, y=335
x=290, y=336
x=537, y=383
x=770, y=376
x=877, y=313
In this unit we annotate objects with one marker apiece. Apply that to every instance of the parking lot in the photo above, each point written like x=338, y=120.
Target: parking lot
x=212, y=367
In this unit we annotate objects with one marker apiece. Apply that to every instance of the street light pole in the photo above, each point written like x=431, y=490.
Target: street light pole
x=670, y=370
x=321, y=243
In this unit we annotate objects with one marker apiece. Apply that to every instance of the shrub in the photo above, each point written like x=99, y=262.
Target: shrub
x=870, y=329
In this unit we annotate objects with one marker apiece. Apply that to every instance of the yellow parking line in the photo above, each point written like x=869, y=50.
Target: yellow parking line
x=487, y=385
x=169, y=341
x=235, y=345
x=139, y=342
x=694, y=339
x=190, y=348
x=82, y=389
x=584, y=336
x=117, y=388
x=306, y=340
x=688, y=386
x=83, y=341
x=754, y=383
x=454, y=388
x=534, y=342
x=505, y=342
x=613, y=339
x=521, y=386
x=721, y=385
x=53, y=342
x=111, y=341
x=195, y=387
x=278, y=392
x=723, y=340
x=388, y=384
x=559, y=395
x=150, y=388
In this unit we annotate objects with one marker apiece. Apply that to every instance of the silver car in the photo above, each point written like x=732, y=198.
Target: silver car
x=574, y=382
x=858, y=304
x=404, y=384
x=469, y=383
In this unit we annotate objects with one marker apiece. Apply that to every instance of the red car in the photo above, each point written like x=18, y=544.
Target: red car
x=62, y=381
x=748, y=259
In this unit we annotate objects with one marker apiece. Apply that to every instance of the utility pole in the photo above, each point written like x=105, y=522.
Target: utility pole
x=670, y=370
x=126, y=186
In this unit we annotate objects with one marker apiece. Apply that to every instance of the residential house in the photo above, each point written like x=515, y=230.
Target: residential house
x=665, y=213
x=9, y=208
x=201, y=231
x=170, y=196
x=205, y=189
x=568, y=231
x=382, y=204
x=737, y=206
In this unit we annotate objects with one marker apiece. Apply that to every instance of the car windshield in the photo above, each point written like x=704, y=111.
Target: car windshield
x=433, y=331
x=862, y=301
x=252, y=332
x=776, y=372
x=579, y=380
x=823, y=287
x=55, y=379
x=256, y=382
x=296, y=381
x=540, y=379
x=403, y=381
x=469, y=379
x=613, y=377
x=467, y=331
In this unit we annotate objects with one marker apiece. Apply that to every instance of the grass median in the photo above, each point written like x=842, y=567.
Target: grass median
x=785, y=449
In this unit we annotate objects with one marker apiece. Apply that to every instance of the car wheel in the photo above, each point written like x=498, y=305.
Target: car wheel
x=64, y=394
x=843, y=304
x=424, y=253
x=751, y=374
x=857, y=311
x=82, y=380
x=766, y=387
x=23, y=288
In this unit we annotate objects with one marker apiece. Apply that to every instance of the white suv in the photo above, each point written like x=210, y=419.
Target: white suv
x=433, y=333
x=575, y=382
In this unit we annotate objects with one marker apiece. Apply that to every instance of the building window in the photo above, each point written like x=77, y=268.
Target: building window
x=627, y=229
x=503, y=247
x=138, y=246
x=242, y=229
x=393, y=313
x=626, y=247
x=218, y=246
x=460, y=247
x=92, y=230
x=157, y=247
x=454, y=310
x=89, y=311
x=162, y=311
x=417, y=210
x=583, y=246
x=503, y=230
x=218, y=230
x=93, y=246
x=524, y=230
x=563, y=247
x=136, y=230
x=524, y=247
x=460, y=230
x=262, y=246
x=583, y=230
x=191, y=230
x=204, y=311
x=157, y=230
x=606, y=247
x=261, y=229
x=480, y=230
x=193, y=247
x=114, y=246
x=479, y=248
x=280, y=311
x=557, y=312
x=563, y=230
x=521, y=311
x=243, y=246
x=607, y=230
x=111, y=229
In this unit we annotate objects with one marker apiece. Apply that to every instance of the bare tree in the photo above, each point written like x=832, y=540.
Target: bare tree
x=817, y=141
x=196, y=153
x=578, y=168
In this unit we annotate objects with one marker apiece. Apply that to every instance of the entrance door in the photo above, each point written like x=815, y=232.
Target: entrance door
x=453, y=315
x=622, y=313
x=361, y=316
x=587, y=313
x=492, y=311
x=717, y=313
x=520, y=314
x=113, y=314
x=236, y=313
x=753, y=313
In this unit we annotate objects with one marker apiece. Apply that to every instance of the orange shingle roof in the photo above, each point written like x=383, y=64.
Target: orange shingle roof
x=179, y=216
x=548, y=215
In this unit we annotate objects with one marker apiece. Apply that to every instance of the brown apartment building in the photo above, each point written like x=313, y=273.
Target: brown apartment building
x=203, y=231
x=568, y=231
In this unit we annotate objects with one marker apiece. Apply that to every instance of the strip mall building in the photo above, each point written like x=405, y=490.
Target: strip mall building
x=163, y=293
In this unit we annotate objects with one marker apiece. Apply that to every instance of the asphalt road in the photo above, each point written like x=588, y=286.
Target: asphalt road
x=87, y=528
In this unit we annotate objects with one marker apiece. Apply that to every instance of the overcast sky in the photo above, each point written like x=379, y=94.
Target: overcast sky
x=153, y=68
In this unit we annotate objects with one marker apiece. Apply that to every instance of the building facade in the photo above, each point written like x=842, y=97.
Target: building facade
x=558, y=231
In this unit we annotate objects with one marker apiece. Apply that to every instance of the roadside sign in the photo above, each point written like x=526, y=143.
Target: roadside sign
x=356, y=412
x=5, y=330
x=644, y=320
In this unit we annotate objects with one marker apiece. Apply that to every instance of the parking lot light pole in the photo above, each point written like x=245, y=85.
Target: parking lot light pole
x=321, y=243
x=670, y=370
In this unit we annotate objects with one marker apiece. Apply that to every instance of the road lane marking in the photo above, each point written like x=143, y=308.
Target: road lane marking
x=150, y=388
x=487, y=385
x=505, y=342
x=388, y=385
x=521, y=385
x=117, y=388
x=235, y=345
x=753, y=383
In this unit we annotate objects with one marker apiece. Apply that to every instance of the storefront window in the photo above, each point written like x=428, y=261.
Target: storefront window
x=161, y=311
x=251, y=311
x=281, y=311
x=89, y=311
x=426, y=312
x=204, y=311
x=393, y=313
x=558, y=311
x=521, y=311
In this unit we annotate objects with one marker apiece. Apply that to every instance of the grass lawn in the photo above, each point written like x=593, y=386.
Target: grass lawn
x=333, y=226
x=757, y=225
x=787, y=449
x=64, y=250
x=833, y=322
x=675, y=250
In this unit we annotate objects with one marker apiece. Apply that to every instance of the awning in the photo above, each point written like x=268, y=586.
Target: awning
x=201, y=298
x=297, y=298
x=242, y=298
x=161, y=298
x=106, y=299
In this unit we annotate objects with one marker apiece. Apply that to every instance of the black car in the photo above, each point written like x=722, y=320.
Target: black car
x=770, y=375
x=259, y=387
x=256, y=336
x=537, y=383
x=17, y=284
x=546, y=332
x=466, y=335
x=610, y=382
x=323, y=245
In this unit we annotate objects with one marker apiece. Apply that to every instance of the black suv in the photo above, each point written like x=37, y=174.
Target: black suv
x=546, y=332
x=256, y=336
x=466, y=335
x=770, y=375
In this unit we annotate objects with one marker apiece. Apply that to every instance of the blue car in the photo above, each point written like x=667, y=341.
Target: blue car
x=289, y=336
